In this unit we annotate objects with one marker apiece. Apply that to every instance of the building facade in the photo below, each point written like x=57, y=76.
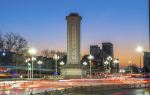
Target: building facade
x=107, y=50
x=146, y=62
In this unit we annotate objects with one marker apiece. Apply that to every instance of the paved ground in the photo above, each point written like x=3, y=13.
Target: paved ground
x=119, y=92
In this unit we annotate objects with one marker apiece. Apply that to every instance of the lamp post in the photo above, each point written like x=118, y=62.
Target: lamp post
x=32, y=52
x=56, y=57
x=84, y=64
x=109, y=58
x=90, y=57
x=62, y=63
x=139, y=49
x=116, y=62
x=40, y=63
x=29, y=68
x=130, y=66
x=106, y=63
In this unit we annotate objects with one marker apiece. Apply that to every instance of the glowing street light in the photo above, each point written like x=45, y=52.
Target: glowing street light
x=40, y=63
x=139, y=49
x=56, y=57
x=32, y=52
x=85, y=63
x=29, y=67
x=90, y=57
x=106, y=63
x=109, y=58
x=62, y=63
x=116, y=62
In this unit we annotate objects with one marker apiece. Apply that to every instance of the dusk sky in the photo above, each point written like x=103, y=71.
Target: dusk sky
x=43, y=24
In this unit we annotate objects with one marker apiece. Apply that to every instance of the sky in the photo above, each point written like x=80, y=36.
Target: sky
x=43, y=24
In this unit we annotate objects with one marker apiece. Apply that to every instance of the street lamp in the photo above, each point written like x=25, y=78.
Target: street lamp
x=40, y=63
x=139, y=49
x=109, y=58
x=130, y=67
x=32, y=52
x=62, y=63
x=106, y=63
x=84, y=63
x=90, y=57
x=29, y=67
x=56, y=57
x=116, y=62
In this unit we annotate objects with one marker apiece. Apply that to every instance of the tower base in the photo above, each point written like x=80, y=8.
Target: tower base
x=72, y=71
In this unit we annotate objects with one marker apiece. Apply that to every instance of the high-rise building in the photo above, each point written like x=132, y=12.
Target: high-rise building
x=146, y=62
x=72, y=68
x=95, y=50
x=107, y=50
x=146, y=57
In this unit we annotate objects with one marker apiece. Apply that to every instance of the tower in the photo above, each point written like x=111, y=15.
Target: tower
x=73, y=68
x=73, y=38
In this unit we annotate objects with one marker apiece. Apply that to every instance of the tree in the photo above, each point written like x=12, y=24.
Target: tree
x=1, y=41
x=10, y=41
x=15, y=42
x=45, y=53
x=21, y=44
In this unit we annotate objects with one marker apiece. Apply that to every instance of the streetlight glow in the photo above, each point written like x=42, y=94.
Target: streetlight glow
x=116, y=61
x=61, y=63
x=90, y=57
x=84, y=63
x=40, y=63
x=139, y=49
x=32, y=51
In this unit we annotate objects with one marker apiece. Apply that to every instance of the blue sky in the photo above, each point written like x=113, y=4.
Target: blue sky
x=43, y=24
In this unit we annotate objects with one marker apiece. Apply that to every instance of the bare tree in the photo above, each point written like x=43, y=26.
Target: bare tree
x=10, y=41
x=15, y=42
x=51, y=53
x=21, y=44
x=45, y=53
x=1, y=41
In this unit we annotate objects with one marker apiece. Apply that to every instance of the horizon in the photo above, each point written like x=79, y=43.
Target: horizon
x=123, y=23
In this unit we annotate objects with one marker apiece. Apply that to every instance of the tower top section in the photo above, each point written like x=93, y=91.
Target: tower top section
x=73, y=15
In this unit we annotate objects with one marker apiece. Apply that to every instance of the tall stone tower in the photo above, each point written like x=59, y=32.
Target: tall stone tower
x=73, y=38
x=73, y=68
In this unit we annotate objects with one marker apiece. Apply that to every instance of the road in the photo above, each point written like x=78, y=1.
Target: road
x=37, y=86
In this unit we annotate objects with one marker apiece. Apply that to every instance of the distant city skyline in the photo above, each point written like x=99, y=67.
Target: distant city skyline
x=121, y=22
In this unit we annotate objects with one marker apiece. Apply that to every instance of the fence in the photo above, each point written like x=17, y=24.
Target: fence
x=92, y=88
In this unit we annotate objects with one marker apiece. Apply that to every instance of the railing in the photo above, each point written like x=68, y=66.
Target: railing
x=73, y=90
